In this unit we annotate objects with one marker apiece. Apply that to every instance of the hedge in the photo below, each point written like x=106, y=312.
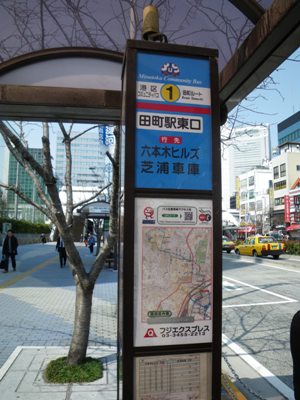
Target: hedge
x=293, y=247
x=20, y=226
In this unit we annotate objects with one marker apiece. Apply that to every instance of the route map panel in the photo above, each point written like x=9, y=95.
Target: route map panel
x=173, y=272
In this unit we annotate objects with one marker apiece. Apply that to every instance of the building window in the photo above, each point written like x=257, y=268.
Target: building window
x=282, y=170
x=275, y=172
x=251, y=180
x=279, y=201
x=297, y=217
x=297, y=200
x=244, y=183
x=298, y=167
x=252, y=206
x=259, y=205
x=243, y=196
x=243, y=208
x=280, y=185
x=251, y=194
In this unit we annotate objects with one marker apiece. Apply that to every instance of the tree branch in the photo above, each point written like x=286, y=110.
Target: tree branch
x=19, y=193
x=68, y=175
x=91, y=198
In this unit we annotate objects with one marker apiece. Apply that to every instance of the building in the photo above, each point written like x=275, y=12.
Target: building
x=90, y=165
x=254, y=198
x=16, y=207
x=286, y=171
x=292, y=210
x=4, y=163
x=289, y=130
x=249, y=147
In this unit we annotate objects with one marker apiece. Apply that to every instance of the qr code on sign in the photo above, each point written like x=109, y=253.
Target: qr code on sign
x=188, y=216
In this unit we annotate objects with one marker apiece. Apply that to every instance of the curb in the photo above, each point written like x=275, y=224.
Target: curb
x=230, y=388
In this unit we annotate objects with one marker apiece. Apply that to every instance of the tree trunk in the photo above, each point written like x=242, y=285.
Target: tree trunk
x=83, y=310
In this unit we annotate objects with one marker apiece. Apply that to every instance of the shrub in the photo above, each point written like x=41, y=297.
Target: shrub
x=20, y=226
x=293, y=247
x=58, y=371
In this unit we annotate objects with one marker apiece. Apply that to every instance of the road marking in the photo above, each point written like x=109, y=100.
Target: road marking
x=263, y=290
x=230, y=287
x=267, y=303
x=251, y=261
x=259, y=368
x=19, y=277
x=281, y=268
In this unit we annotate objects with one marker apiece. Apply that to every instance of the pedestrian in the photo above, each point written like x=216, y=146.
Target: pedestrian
x=91, y=243
x=9, y=250
x=43, y=238
x=60, y=247
x=295, y=350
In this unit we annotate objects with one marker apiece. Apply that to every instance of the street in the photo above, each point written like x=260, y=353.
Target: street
x=260, y=297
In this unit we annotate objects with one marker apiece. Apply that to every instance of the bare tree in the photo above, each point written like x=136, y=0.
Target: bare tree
x=52, y=207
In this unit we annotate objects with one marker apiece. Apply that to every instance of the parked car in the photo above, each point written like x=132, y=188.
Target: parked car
x=227, y=244
x=257, y=246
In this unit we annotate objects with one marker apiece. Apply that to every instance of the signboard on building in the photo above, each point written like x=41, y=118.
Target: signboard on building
x=287, y=209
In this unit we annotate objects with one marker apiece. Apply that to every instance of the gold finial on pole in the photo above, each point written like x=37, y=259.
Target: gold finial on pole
x=150, y=29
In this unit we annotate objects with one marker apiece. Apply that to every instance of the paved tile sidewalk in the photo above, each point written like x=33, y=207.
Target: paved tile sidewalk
x=38, y=310
x=37, y=313
x=21, y=377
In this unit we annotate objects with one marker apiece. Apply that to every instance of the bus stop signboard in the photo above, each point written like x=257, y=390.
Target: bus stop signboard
x=173, y=122
x=170, y=327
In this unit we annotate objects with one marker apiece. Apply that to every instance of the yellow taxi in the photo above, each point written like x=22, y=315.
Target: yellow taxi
x=227, y=244
x=258, y=246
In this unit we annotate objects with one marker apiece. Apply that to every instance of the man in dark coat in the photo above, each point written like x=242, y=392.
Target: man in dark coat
x=295, y=350
x=60, y=247
x=9, y=250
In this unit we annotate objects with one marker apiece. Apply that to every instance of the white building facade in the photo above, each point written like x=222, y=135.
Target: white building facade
x=254, y=198
x=248, y=148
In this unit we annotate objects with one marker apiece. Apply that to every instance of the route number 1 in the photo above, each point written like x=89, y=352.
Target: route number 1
x=170, y=93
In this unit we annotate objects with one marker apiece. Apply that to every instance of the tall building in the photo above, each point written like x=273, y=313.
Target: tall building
x=4, y=162
x=16, y=207
x=249, y=148
x=289, y=129
x=90, y=165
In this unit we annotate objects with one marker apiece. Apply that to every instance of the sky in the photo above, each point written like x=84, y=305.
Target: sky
x=282, y=101
x=271, y=106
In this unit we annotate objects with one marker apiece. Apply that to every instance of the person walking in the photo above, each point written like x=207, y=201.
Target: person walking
x=9, y=250
x=295, y=350
x=60, y=247
x=91, y=243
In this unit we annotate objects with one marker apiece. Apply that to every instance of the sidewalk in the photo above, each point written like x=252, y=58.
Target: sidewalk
x=37, y=312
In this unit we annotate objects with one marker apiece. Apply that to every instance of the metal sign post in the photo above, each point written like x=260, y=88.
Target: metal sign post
x=170, y=243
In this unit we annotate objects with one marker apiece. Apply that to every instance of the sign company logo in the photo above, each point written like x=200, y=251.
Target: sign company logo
x=149, y=215
x=204, y=216
x=150, y=333
x=170, y=69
